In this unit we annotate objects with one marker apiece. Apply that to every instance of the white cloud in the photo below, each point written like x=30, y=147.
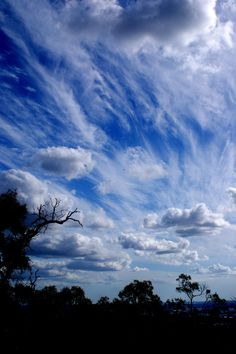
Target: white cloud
x=34, y=191
x=188, y=222
x=62, y=161
x=30, y=189
x=216, y=269
x=165, y=251
x=97, y=219
x=82, y=252
x=143, y=242
x=111, y=263
x=140, y=269
x=152, y=221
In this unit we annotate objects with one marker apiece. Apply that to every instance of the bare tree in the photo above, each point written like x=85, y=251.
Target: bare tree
x=48, y=214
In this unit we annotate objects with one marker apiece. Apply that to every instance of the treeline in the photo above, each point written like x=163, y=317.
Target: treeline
x=66, y=320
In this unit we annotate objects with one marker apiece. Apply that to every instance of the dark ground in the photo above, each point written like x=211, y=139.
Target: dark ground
x=80, y=329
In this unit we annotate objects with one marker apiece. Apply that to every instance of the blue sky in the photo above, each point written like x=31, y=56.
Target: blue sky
x=125, y=110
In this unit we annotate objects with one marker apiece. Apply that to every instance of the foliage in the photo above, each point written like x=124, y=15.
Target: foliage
x=13, y=237
x=138, y=292
x=175, y=305
x=103, y=301
x=190, y=288
x=218, y=303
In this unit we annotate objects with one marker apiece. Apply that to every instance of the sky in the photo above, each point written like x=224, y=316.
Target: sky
x=124, y=109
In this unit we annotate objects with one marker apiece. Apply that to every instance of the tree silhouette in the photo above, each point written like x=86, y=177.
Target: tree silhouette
x=189, y=288
x=138, y=292
x=12, y=243
x=175, y=305
x=103, y=301
x=218, y=304
x=18, y=227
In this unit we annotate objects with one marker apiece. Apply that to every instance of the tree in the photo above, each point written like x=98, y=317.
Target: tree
x=218, y=303
x=12, y=245
x=138, y=292
x=78, y=296
x=73, y=296
x=103, y=301
x=189, y=288
x=175, y=305
x=18, y=227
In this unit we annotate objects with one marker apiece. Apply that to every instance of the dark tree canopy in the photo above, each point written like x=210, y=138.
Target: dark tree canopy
x=138, y=292
x=103, y=301
x=12, y=213
x=13, y=227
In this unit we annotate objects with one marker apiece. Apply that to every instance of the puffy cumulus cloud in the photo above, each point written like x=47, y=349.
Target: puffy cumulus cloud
x=30, y=189
x=111, y=263
x=63, y=161
x=143, y=242
x=33, y=191
x=152, y=221
x=97, y=220
x=232, y=193
x=165, y=251
x=165, y=21
x=217, y=269
x=187, y=222
x=141, y=166
x=82, y=252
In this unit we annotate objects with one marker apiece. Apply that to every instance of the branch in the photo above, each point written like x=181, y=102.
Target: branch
x=46, y=217
x=202, y=288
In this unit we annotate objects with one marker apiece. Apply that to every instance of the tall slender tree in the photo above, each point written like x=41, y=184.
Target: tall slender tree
x=190, y=288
